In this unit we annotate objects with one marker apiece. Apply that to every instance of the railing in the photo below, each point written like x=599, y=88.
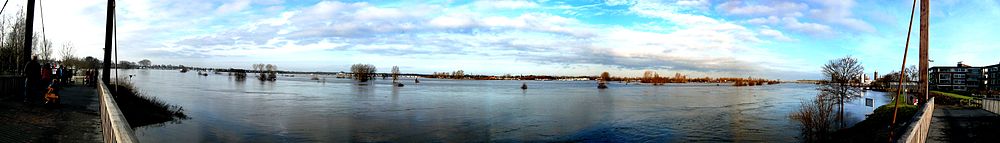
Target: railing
x=11, y=86
x=113, y=123
x=990, y=104
x=916, y=131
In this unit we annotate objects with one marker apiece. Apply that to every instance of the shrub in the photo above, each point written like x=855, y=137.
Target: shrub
x=952, y=98
x=139, y=109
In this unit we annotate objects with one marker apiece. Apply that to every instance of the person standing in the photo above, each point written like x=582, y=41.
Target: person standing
x=32, y=79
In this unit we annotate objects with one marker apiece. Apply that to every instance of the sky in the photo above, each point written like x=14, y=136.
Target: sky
x=776, y=39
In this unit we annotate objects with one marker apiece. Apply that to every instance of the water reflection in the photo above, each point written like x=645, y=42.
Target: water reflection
x=831, y=110
x=297, y=109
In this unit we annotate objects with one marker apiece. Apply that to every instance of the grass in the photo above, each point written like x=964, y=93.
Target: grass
x=952, y=99
x=141, y=110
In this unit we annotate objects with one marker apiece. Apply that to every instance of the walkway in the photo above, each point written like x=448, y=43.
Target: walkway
x=77, y=120
x=952, y=124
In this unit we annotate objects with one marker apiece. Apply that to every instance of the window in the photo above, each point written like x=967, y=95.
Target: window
x=959, y=75
x=959, y=81
x=945, y=76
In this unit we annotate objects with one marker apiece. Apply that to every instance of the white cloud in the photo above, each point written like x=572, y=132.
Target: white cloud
x=505, y=4
x=839, y=12
x=814, y=29
x=775, y=34
x=692, y=42
x=235, y=6
x=780, y=8
x=764, y=20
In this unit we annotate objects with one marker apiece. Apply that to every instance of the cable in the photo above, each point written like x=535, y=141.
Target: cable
x=41, y=16
x=4, y=6
x=1, y=14
x=114, y=24
x=902, y=72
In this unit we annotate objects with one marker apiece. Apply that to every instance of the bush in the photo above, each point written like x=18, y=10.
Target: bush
x=141, y=110
x=363, y=72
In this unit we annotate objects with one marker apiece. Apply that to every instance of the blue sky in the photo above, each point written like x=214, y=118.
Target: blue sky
x=773, y=39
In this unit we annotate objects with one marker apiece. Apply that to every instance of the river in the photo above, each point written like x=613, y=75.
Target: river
x=296, y=109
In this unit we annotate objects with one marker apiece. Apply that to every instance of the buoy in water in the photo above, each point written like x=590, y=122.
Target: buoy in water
x=524, y=86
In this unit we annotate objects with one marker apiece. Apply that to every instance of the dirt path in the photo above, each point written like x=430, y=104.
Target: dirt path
x=963, y=125
x=77, y=120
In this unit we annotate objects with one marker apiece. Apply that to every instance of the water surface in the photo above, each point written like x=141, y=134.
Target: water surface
x=295, y=109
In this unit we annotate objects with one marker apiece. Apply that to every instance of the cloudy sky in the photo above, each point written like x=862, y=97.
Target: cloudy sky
x=775, y=39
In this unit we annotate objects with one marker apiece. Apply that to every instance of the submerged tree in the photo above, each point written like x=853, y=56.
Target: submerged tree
x=266, y=72
x=395, y=73
x=816, y=118
x=145, y=63
x=842, y=74
x=363, y=72
x=602, y=82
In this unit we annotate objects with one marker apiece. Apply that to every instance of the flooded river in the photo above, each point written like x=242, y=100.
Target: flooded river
x=296, y=109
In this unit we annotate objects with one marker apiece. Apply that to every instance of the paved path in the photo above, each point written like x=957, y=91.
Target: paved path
x=963, y=125
x=77, y=120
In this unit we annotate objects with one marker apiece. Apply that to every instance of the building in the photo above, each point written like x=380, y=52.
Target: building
x=961, y=77
x=993, y=77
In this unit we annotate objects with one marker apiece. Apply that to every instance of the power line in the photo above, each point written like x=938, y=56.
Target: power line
x=1, y=14
x=114, y=27
x=41, y=16
x=4, y=6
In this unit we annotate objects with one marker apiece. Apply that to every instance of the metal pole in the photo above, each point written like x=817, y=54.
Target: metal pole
x=106, y=76
x=924, y=12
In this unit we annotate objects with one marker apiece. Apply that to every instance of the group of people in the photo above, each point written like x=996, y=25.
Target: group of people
x=43, y=81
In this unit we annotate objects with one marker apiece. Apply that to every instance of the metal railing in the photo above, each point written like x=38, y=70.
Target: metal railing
x=990, y=104
x=916, y=131
x=113, y=123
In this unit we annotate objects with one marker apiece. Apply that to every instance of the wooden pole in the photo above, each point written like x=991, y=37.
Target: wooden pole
x=29, y=30
x=924, y=12
x=108, y=31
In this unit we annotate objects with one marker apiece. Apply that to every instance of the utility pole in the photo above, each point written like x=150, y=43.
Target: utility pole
x=108, y=31
x=924, y=13
x=29, y=30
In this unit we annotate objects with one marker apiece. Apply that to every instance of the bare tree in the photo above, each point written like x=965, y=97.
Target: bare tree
x=67, y=51
x=458, y=74
x=12, y=50
x=363, y=72
x=602, y=82
x=395, y=73
x=841, y=73
x=44, y=50
x=605, y=76
x=843, y=70
x=816, y=118
x=647, y=76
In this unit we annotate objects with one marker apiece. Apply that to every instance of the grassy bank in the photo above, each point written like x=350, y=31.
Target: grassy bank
x=875, y=128
x=946, y=98
x=141, y=110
